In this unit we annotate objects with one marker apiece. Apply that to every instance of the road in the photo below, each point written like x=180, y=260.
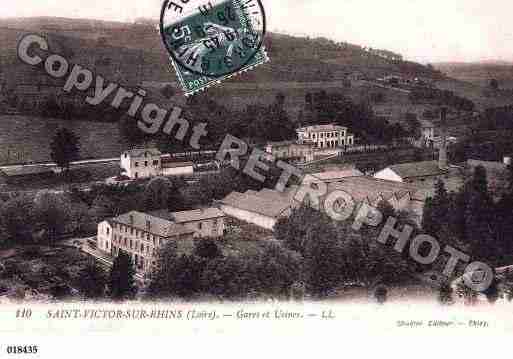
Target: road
x=51, y=164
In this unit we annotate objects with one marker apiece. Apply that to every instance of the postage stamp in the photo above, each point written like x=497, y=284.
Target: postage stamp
x=212, y=40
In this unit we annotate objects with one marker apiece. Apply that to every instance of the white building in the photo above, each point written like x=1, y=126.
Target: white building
x=170, y=168
x=141, y=235
x=427, y=130
x=141, y=163
x=325, y=136
x=205, y=222
x=146, y=163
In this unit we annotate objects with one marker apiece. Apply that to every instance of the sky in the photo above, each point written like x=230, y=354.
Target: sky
x=421, y=30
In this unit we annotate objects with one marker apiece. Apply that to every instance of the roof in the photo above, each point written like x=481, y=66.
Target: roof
x=158, y=226
x=329, y=176
x=417, y=169
x=168, y=163
x=369, y=188
x=139, y=152
x=281, y=143
x=267, y=202
x=190, y=216
x=26, y=170
x=322, y=128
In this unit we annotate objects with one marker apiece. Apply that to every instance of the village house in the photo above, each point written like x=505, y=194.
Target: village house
x=425, y=174
x=141, y=163
x=150, y=162
x=325, y=136
x=141, y=235
x=290, y=150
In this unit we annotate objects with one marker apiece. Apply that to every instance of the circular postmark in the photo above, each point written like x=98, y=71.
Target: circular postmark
x=213, y=38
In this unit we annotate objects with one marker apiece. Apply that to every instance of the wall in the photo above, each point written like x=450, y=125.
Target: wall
x=178, y=171
x=250, y=217
x=208, y=227
x=142, y=166
x=104, y=236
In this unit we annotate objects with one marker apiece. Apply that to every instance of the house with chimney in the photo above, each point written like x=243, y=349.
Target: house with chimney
x=425, y=174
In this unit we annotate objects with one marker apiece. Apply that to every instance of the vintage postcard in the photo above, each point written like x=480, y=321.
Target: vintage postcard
x=255, y=177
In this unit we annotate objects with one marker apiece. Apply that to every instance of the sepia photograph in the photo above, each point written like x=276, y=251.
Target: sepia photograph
x=233, y=172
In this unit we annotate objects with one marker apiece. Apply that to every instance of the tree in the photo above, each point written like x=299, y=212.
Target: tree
x=381, y=294
x=157, y=193
x=207, y=248
x=16, y=219
x=101, y=208
x=92, y=281
x=478, y=215
x=324, y=265
x=65, y=147
x=53, y=212
x=278, y=269
x=229, y=277
x=162, y=278
x=445, y=293
x=436, y=210
x=293, y=230
x=121, y=279
x=492, y=292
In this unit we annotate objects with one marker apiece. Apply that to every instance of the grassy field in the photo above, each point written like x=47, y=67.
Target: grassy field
x=25, y=139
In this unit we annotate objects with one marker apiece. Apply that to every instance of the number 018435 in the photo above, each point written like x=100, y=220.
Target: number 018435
x=22, y=349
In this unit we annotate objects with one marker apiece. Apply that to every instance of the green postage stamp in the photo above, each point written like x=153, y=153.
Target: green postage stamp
x=212, y=40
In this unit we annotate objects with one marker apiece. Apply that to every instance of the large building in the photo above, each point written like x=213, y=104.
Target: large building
x=266, y=207
x=206, y=222
x=263, y=208
x=141, y=235
x=325, y=136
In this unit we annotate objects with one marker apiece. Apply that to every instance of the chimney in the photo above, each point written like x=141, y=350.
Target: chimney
x=442, y=155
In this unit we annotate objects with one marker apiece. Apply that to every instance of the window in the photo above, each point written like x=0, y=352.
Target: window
x=156, y=162
x=132, y=231
x=145, y=163
x=137, y=164
x=131, y=245
x=108, y=230
x=200, y=225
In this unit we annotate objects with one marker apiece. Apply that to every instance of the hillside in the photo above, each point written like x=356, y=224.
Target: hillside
x=480, y=73
x=293, y=58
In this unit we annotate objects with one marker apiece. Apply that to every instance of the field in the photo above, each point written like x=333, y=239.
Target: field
x=26, y=139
